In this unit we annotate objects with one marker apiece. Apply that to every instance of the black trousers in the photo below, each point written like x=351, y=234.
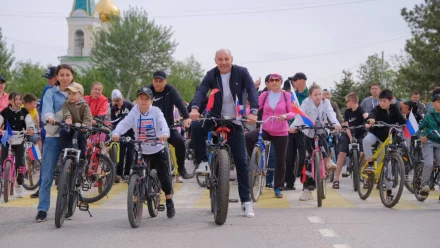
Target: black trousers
x=296, y=144
x=177, y=140
x=125, y=149
x=158, y=161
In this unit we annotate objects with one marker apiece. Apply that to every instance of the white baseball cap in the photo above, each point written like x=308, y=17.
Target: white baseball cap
x=116, y=94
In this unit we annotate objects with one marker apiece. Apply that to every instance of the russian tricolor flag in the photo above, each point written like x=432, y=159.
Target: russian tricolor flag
x=296, y=110
x=239, y=108
x=411, y=127
x=34, y=153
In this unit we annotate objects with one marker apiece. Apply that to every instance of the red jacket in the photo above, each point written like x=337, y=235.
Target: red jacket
x=98, y=106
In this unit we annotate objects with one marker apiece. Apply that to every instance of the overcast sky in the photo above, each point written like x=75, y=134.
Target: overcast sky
x=317, y=37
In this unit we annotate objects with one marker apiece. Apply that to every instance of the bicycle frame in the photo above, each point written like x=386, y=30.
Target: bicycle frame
x=317, y=150
x=11, y=158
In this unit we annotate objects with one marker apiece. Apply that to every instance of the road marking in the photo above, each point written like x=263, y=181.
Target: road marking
x=268, y=200
x=402, y=204
x=341, y=246
x=327, y=232
x=315, y=219
x=116, y=189
x=27, y=201
x=334, y=199
x=204, y=201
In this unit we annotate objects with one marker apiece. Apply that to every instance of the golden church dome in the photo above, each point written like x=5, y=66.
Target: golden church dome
x=105, y=9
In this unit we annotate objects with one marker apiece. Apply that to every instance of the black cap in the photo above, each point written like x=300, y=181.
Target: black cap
x=298, y=76
x=50, y=72
x=160, y=74
x=286, y=85
x=2, y=79
x=266, y=80
x=145, y=90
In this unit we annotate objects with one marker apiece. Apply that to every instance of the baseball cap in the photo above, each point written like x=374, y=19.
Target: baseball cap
x=2, y=79
x=298, y=76
x=116, y=94
x=160, y=74
x=145, y=90
x=286, y=85
x=75, y=87
x=50, y=72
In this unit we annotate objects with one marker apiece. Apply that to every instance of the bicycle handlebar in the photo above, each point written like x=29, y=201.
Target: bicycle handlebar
x=270, y=117
x=78, y=126
x=383, y=124
x=315, y=127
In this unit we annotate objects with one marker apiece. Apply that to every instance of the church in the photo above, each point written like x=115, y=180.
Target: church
x=83, y=20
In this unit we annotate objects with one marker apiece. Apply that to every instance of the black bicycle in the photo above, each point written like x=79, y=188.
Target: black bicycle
x=354, y=155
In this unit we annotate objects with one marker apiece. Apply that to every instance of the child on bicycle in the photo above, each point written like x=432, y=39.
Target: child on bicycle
x=18, y=119
x=148, y=121
x=431, y=141
x=386, y=112
x=320, y=110
x=75, y=111
x=30, y=104
x=354, y=116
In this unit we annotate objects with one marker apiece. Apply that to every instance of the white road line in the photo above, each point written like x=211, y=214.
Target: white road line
x=315, y=219
x=341, y=246
x=327, y=232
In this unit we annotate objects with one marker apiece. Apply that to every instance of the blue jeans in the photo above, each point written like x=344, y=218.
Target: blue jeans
x=51, y=152
x=270, y=165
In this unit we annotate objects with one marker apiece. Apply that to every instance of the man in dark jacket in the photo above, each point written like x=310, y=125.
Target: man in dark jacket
x=233, y=81
x=165, y=97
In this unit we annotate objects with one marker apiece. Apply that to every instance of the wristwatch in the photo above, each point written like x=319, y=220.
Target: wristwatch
x=254, y=112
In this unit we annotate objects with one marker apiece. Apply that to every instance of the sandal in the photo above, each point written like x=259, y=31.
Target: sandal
x=336, y=185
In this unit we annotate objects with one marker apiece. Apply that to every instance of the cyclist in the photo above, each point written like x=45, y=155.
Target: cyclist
x=320, y=110
x=384, y=112
x=431, y=146
x=148, y=121
x=354, y=115
x=369, y=103
x=165, y=97
x=97, y=101
x=232, y=81
x=30, y=104
x=17, y=119
x=274, y=102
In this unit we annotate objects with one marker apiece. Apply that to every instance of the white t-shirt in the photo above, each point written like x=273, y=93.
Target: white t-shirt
x=228, y=107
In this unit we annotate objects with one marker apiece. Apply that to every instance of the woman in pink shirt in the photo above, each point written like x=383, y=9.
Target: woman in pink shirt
x=275, y=102
x=4, y=102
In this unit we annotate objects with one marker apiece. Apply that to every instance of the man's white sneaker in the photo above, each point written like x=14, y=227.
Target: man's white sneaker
x=306, y=196
x=179, y=179
x=203, y=168
x=20, y=191
x=246, y=207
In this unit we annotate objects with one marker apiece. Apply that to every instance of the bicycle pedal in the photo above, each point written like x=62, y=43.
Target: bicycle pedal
x=85, y=187
x=83, y=206
x=233, y=200
x=161, y=207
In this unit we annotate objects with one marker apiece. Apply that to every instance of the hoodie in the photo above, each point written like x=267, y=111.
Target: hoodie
x=145, y=125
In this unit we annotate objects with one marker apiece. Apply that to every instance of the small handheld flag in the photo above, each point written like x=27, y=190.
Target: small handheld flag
x=411, y=126
x=6, y=135
x=239, y=108
x=211, y=99
x=34, y=153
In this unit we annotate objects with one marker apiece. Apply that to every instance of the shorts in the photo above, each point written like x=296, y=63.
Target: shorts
x=344, y=143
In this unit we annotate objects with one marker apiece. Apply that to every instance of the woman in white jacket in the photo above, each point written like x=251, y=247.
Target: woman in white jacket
x=321, y=112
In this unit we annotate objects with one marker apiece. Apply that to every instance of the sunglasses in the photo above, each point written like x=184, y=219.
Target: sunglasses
x=274, y=80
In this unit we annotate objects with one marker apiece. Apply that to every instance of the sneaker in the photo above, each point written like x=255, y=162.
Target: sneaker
x=20, y=191
x=179, y=179
x=278, y=193
x=289, y=187
x=183, y=173
x=41, y=216
x=306, y=196
x=117, y=179
x=246, y=207
x=36, y=194
x=426, y=189
x=203, y=168
x=170, y=208
x=345, y=174
x=369, y=168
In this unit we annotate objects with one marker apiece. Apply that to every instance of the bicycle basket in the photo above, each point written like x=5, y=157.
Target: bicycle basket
x=16, y=139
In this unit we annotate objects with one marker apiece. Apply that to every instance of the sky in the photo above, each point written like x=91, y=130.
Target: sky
x=317, y=37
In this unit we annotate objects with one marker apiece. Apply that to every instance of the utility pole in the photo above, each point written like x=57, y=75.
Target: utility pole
x=382, y=79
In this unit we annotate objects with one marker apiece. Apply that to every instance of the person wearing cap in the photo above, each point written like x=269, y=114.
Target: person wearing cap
x=232, y=81
x=75, y=111
x=97, y=101
x=430, y=107
x=148, y=122
x=4, y=102
x=166, y=97
x=119, y=111
x=287, y=86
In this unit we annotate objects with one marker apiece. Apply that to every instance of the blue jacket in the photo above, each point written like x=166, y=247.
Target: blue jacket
x=52, y=108
x=239, y=83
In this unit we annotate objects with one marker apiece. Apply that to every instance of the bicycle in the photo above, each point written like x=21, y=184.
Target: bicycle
x=258, y=163
x=354, y=156
x=333, y=157
x=143, y=185
x=114, y=148
x=316, y=161
x=33, y=165
x=384, y=173
x=8, y=174
x=189, y=155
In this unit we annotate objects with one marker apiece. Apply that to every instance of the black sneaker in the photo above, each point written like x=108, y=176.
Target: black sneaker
x=289, y=187
x=36, y=194
x=370, y=167
x=170, y=208
x=183, y=173
x=41, y=216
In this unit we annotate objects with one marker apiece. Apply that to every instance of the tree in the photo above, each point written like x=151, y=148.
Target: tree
x=131, y=49
x=6, y=58
x=26, y=78
x=424, y=46
x=87, y=77
x=185, y=76
x=343, y=87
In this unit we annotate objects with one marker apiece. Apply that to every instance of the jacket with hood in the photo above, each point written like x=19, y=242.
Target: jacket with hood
x=79, y=112
x=52, y=108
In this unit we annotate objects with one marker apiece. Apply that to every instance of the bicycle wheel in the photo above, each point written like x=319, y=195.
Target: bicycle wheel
x=417, y=181
x=221, y=189
x=104, y=176
x=409, y=173
x=333, y=158
x=255, y=173
x=135, y=201
x=33, y=174
x=74, y=196
x=153, y=189
x=63, y=194
x=189, y=160
x=114, y=153
x=354, y=160
x=201, y=179
x=391, y=181
x=319, y=187
x=8, y=186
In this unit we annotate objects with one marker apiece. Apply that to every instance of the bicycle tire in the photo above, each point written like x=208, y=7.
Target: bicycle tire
x=63, y=194
x=134, y=215
x=199, y=180
x=296, y=165
x=255, y=175
x=318, y=182
x=103, y=186
x=189, y=160
x=354, y=160
x=333, y=155
x=417, y=181
x=114, y=154
x=7, y=184
x=32, y=185
x=221, y=193
x=369, y=180
x=153, y=189
x=408, y=183
x=401, y=173
x=74, y=197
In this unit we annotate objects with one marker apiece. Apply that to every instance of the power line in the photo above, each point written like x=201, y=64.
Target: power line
x=326, y=53
x=39, y=45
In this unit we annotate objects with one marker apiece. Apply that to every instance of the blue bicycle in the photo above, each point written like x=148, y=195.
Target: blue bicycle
x=332, y=143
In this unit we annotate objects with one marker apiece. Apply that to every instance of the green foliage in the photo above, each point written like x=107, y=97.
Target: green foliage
x=342, y=88
x=27, y=78
x=185, y=76
x=6, y=58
